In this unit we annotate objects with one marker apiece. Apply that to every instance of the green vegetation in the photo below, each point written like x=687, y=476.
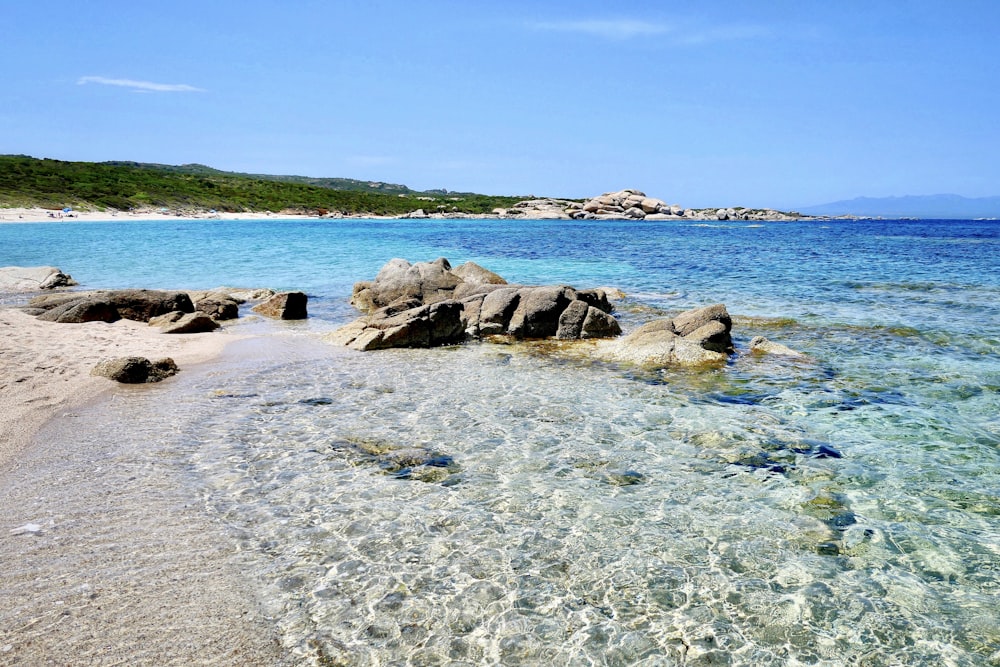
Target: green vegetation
x=54, y=184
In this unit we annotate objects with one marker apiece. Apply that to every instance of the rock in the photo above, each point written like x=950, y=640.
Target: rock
x=284, y=306
x=761, y=345
x=427, y=281
x=487, y=306
x=31, y=278
x=419, y=214
x=570, y=324
x=219, y=307
x=135, y=370
x=141, y=304
x=112, y=305
x=693, y=338
x=184, y=323
x=473, y=274
x=81, y=310
x=537, y=313
x=599, y=324
x=635, y=213
x=497, y=310
x=650, y=205
x=691, y=320
x=439, y=323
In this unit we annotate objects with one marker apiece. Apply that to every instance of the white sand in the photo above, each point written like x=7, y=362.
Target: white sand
x=45, y=367
x=105, y=560
x=14, y=215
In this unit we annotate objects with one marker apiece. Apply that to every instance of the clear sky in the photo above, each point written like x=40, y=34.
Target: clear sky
x=781, y=103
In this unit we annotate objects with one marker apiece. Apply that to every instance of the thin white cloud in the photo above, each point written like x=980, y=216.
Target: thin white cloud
x=140, y=86
x=672, y=33
x=608, y=28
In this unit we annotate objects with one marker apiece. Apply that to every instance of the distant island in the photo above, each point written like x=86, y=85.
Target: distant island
x=927, y=206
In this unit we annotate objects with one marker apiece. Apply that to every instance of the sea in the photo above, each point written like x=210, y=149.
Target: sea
x=510, y=504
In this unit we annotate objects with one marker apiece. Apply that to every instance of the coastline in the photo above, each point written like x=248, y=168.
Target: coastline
x=542, y=212
x=109, y=560
x=45, y=367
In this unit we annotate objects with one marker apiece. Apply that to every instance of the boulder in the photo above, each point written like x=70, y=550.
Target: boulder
x=761, y=345
x=31, y=278
x=538, y=310
x=135, y=370
x=141, y=304
x=108, y=306
x=473, y=274
x=284, y=306
x=439, y=323
x=427, y=281
x=219, y=307
x=184, y=323
x=693, y=338
x=77, y=311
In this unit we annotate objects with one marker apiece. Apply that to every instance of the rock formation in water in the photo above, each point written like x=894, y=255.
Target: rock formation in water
x=695, y=337
x=628, y=204
x=429, y=303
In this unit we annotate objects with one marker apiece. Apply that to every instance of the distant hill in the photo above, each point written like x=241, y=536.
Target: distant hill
x=348, y=184
x=925, y=206
x=28, y=181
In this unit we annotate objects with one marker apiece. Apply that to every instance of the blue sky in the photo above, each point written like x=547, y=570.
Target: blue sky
x=780, y=103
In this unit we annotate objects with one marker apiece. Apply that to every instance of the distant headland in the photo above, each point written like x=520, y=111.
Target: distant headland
x=43, y=189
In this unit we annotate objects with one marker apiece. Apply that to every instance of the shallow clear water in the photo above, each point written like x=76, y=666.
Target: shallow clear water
x=490, y=504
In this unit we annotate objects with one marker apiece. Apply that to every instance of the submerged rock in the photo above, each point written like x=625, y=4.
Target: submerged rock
x=761, y=345
x=696, y=337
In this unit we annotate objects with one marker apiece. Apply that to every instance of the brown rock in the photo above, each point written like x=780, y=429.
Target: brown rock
x=284, y=306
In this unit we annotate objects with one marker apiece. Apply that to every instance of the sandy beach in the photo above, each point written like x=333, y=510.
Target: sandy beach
x=14, y=215
x=45, y=367
x=105, y=560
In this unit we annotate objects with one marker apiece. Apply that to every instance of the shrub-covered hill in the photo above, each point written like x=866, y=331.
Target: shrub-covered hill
x=27, y=181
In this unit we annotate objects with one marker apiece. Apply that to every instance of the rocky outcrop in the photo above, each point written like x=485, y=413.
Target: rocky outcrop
x=407, y=324
x=473, y=302
x=109, y=306
x=428, y=282
x=693, y=338
x=177, y=322
x=31, y=278
x=135, y=370
x=628, y=204
x=284, y=306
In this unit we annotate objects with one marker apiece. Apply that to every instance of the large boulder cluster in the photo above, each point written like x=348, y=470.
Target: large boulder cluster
x=629, y=204
x=429, y=303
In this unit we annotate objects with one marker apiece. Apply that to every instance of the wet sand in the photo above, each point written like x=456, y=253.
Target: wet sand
x=107, y=560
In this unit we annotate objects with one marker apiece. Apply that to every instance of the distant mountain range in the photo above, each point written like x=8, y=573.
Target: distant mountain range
x=925, y=206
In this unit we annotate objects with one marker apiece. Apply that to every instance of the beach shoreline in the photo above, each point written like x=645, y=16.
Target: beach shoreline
x=108, y=559
x=45, y=367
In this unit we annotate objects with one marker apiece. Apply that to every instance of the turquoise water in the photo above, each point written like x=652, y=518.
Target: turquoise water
x=840, y=510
